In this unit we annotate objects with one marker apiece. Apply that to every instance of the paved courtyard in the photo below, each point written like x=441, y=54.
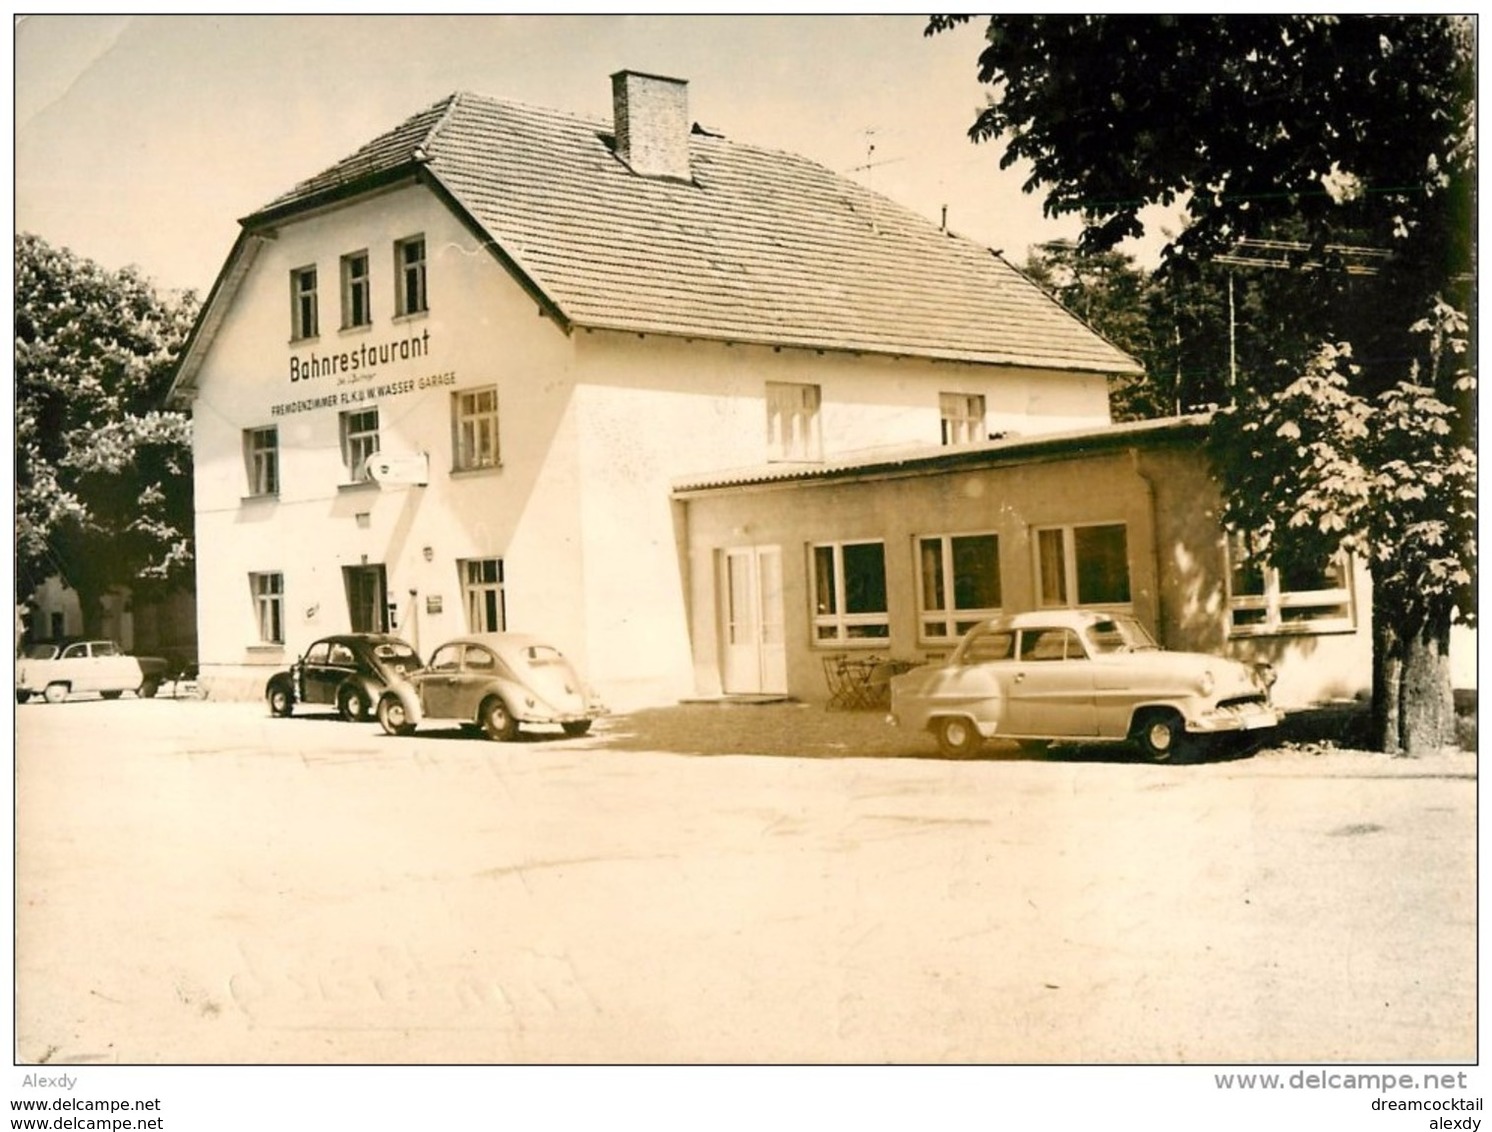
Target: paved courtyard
x=197, y=882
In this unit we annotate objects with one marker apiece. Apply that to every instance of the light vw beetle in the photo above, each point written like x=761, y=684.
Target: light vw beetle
x=496, y=681
x=1079, y=675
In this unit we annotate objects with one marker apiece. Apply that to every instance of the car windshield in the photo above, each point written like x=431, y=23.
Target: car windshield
x=1118, y=634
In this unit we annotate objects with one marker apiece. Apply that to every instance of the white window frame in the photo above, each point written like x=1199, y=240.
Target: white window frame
x=359, y=442
x=962, y=418
x=476, y=588
x=1070, y=574
x=952, y=621
x=1274, y=612
x=262, y=459
x=470, y=425
x=794, y=431
x=357, y=289
x=411, y=279
x=268, y=590
x=833, y=625
x=305, y=314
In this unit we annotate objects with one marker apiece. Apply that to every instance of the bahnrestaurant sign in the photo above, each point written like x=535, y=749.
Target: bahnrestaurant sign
x=365, y=357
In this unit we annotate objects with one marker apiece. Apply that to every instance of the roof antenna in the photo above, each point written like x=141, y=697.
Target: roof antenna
x=943, y=227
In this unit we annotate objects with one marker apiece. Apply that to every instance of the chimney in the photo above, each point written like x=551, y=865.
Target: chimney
x=652, y=124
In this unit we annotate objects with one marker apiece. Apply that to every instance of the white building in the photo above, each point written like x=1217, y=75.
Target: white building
x=539, y=324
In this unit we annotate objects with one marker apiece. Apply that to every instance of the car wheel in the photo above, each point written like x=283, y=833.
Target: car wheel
x=112, y=694
x=393, y=718
x=576, y=729
x=957, y=736
x=352, y=703
x=22, y=695
x=1162, y=736
x=496, y=720
x=55, y=693
x=148, y=688
x=280, y=700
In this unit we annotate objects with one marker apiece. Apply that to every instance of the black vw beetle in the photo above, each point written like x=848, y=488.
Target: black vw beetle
x=348, y=671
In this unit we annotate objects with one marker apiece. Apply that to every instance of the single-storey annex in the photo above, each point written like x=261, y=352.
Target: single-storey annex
x=894, y=556
x=489, y=372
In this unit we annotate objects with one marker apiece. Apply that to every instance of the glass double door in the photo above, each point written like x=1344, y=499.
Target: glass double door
x=755, y=652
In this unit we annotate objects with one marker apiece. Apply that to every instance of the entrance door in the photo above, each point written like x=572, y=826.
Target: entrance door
x=367, y=604
x=755, y=643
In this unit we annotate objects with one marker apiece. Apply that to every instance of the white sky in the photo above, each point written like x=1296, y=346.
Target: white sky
x=142, y=139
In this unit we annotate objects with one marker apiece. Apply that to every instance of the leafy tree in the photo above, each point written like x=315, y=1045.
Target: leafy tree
x=1343, y=133
x=103, y=471
x=1110, y=293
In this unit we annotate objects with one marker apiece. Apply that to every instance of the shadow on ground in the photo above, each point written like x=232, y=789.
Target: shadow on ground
x=798, y=730
x=809, y=731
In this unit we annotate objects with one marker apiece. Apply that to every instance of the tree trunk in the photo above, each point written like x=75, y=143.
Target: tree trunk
x=1414, y=710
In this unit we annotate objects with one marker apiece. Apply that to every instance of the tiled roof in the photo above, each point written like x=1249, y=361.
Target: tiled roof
x=762, y=246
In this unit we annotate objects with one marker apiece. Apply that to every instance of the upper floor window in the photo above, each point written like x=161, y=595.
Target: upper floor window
x=1083, y=565
x=303, y=316
x=793, y=422
x=482, y=586
x=1264, y=599
x=474, y=422
x=261, y=453
x=357, y=308
x=849, y=592
x=359, y=441
x=269, y=606
x=963, y=417
x=959, y=583
x=409, y=271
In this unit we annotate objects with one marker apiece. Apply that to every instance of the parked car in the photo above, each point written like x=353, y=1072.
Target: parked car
x=1079, y=675
x=495, y=681
x=56, y=669
x=348, y=671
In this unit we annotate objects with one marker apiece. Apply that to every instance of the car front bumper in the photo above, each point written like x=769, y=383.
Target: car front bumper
x=1235, y=717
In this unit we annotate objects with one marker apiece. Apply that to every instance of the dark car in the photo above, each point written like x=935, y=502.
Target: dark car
x=495, y=681
x=348, y=671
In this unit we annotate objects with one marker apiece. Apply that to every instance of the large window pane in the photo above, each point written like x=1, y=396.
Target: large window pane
x=976, y=572
x=865, y=578
x=1102, y=555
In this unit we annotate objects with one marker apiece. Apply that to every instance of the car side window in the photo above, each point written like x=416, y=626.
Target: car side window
x=342, y=655
x=446, y=659
x=72, y=652
x=989, y=646
x=104, y=648
x=480, y=661
x=1050, y=644
x=317, y=653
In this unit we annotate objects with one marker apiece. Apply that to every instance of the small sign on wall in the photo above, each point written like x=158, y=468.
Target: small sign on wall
x=433, y=603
